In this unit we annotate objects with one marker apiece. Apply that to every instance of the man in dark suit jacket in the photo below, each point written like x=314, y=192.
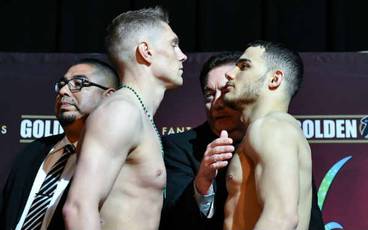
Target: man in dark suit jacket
x=81, y=89
x=198, y=158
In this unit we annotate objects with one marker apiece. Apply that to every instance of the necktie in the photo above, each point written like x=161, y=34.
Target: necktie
x=37, y=211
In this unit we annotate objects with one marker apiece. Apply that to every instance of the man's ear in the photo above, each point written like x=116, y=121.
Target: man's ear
x=143, y=53
x=276, y=79
x=108, y=92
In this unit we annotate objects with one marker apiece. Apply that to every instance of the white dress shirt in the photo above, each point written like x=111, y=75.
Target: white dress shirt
x=205, y=202
x=52, y=157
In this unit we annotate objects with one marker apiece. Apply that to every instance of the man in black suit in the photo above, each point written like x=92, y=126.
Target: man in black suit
x=79, y=92
x=196, y=160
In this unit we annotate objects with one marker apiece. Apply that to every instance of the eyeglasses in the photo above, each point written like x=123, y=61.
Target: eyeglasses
x=76, y=84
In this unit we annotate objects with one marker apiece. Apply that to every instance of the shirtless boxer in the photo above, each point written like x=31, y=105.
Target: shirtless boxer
x=269, y=177
x=121, y=176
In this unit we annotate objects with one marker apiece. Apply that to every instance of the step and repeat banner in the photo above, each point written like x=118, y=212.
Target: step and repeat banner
x=330, y=106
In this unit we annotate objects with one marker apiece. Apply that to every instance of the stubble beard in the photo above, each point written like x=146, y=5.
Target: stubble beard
x=66, y=120
x=247, y=96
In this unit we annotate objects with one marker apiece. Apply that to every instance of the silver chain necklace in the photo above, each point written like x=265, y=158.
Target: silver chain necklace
x=150, y=117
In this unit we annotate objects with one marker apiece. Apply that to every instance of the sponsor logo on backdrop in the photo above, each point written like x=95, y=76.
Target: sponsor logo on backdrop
x=363, y=127
x=316, y=128
x=335, y=128
x=174, y=129
x=37, y=126
x=324, y=189
x=3, y=129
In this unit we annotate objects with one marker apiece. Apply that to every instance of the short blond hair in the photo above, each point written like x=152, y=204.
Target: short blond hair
x=126, y=29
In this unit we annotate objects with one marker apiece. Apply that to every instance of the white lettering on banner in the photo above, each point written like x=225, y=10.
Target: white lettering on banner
x=327, y=129
x=340, y=129
x=316, y=128
x=26, y=129
x=351, y=128
x=3, y=129
x=32, y=129
x=308, y=128
x=38, y=129
x=171, y=130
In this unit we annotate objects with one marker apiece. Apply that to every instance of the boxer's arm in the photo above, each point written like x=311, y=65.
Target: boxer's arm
x=277, y=175
x=111, y=133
